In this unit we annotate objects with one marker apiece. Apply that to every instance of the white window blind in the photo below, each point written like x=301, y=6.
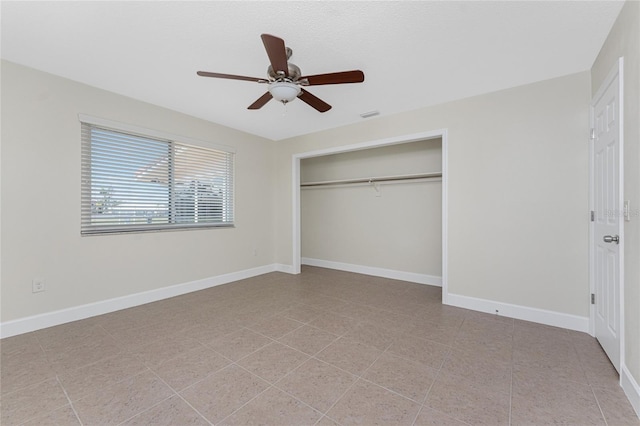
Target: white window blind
x=132, y=183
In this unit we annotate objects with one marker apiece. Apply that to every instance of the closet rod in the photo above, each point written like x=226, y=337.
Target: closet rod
x=372, y=180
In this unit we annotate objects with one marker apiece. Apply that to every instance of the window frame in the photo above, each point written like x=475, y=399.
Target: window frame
x=89, y=229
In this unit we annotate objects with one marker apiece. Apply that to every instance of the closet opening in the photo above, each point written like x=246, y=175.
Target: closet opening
x=377, y=208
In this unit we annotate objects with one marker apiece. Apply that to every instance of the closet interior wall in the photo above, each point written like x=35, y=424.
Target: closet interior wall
x=391, y=224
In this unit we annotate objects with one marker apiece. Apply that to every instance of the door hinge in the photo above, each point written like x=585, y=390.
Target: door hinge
x=593, y=216
x=593, y=299
x=592, y=134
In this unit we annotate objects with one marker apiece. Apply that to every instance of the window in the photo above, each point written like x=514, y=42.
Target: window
x=136, y=181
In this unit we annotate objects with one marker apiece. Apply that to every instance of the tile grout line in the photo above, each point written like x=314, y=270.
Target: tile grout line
x=284, y=344
x=235, y=362
x=254, y=397
x=593, y=392
x=450, y=348
x=250, y=353
x=358, y=377
x=176, y=393
x=426, y=396
x=146, y=409
x=40, y=382
x=290, y=347
x=299, y=400
x=364, y=379
x=598, y=404
x=206, y=376
x=310, y=355
x=46, y=356
x=302, y=324
x=4, y=395
x=591, y=388
x=69, y=399
x=139, y=373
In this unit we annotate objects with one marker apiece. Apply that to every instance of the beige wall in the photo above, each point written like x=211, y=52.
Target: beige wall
x=41, y=202
x=407, y=158
x=624, y=40
x=398, y=227
x=518, y=190
x=517, y=175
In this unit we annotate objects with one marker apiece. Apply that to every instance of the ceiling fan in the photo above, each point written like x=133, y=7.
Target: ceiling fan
x=285, y=79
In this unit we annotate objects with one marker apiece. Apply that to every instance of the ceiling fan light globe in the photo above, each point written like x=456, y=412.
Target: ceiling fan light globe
x=284, y=91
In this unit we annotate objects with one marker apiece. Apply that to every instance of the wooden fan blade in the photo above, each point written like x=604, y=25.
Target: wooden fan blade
x=277, y=53
x=355, y=76
x=262, y=100
x=314, y=101
x=230, y=76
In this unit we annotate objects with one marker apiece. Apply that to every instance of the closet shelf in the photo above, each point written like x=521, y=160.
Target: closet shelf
x=373, y=179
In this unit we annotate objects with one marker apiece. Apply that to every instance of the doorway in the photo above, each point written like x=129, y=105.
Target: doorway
x=296, y=196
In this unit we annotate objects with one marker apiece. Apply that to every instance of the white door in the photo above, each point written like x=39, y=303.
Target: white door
x=607, y=222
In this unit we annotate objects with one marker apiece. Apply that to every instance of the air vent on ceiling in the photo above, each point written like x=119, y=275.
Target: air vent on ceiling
x=369, y=114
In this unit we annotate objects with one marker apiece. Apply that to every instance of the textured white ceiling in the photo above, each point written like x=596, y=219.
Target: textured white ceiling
x=413, y=54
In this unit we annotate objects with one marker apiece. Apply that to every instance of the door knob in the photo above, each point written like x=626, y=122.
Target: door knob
x=610, y=239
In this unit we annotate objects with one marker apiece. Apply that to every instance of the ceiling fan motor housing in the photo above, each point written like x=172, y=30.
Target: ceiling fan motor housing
x=294, y=73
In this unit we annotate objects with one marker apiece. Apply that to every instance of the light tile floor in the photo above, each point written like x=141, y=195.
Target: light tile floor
x=324, y=347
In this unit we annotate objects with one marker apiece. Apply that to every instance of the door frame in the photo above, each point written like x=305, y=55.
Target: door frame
x=396, y=140
x=616, y=72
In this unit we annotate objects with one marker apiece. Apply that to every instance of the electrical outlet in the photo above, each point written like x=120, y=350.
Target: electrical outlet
x=255, y=251
x=37, y=285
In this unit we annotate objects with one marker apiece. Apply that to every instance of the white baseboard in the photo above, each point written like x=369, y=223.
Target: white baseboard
x=631, y=388
x=49, y=319
x=377, y=272
x=541, y=316
x=288, y=269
